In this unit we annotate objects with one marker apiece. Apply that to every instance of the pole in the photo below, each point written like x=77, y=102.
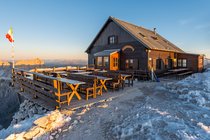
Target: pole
x=13, y=56
x=152, y=74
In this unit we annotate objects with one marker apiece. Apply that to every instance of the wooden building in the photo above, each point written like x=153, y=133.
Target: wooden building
x=120, y=45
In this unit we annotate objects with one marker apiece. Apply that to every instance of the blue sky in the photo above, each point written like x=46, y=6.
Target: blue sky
x=63, y=29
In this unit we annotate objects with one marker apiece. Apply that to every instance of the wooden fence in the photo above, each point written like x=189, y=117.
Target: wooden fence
x=38, y=85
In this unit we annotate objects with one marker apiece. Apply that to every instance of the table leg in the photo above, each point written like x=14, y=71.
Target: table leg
x=103, y=84
x=74, y=92
x=123, y=82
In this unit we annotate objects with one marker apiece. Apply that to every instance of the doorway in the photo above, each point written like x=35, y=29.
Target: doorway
x=170, y=63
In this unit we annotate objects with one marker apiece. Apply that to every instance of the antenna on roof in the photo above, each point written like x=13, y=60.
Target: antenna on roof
x=155, y=31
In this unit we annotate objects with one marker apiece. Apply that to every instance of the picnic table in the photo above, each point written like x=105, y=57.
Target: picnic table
x=103, y=80
x=73, y=85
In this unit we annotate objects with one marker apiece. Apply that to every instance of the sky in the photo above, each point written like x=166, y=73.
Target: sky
x=63, y=29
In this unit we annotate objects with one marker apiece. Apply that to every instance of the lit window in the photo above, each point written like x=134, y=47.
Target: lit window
x=184, y=63
x=99, y=61
x=115, y=62
x=179, y=62
x=112, y=39
x=129, y=63
x=159, y=64
x=106, y=61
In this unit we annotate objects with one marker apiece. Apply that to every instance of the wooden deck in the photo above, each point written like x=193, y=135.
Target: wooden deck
x=75, y=104
x=64, y=92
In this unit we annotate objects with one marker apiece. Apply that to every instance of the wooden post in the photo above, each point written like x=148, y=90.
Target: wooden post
x=22, y=74
x=59, y=93
x=94, y=88
x=13, y=77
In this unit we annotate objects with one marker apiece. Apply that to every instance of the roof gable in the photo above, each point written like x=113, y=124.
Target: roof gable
x=148, y=38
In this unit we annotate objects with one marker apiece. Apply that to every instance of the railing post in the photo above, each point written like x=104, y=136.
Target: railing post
x=13, y=77
x=58, y=94
x=94, y=87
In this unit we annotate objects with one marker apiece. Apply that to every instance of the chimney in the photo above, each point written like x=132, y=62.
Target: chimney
x=155, y=31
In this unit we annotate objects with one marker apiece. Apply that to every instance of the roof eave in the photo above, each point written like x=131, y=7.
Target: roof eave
x=102, y=28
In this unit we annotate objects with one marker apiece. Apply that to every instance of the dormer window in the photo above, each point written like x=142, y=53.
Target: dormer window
x=142, y=35
x=154, y=37
x=112, y=39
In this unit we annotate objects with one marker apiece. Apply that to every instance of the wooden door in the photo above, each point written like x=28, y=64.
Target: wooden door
x=170, y=63
x=114, y=61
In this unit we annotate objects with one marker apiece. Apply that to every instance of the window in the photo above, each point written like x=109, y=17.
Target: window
x=112, y=39
x=99, y=61
x=159, y=64
x=154, y=37
x=142, y=35
x=106, y=61
x=179, y=62
x=184, y=63
x=131, y=63
x=127, y=63
x=115, y=62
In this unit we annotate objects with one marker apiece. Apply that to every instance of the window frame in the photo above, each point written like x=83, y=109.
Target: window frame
x=106, y=63
x=99, y=64
x=182, y=63
x=159, y=64
x=112, y=39
x=115, y=62
x=184, y=66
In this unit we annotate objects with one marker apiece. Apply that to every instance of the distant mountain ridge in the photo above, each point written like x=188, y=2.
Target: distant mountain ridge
x=35, y=61
x=65, y=62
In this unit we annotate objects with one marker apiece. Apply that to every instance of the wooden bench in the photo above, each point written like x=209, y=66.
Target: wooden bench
x=91, y=86
x=182, y=75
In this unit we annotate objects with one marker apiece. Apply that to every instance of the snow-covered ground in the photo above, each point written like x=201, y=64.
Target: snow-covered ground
x=165, y=110
x=152, y=111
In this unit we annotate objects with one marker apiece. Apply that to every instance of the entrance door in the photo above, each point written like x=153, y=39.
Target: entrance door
x=170, y=63
x=114, y=61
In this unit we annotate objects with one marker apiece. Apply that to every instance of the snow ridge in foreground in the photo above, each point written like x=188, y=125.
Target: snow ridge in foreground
x=194, y=89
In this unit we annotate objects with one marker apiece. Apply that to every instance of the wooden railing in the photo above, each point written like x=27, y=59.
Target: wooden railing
x=45, y=87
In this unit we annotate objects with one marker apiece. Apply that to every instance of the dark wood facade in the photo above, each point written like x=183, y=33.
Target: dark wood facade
x=134, y=54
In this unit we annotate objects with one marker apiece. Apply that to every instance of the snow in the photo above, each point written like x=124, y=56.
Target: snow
x=170, y=110
x=19, y=127
x=194, y=89
x=148, y=110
